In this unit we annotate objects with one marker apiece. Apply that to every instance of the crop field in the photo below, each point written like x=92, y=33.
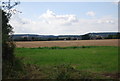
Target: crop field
x=92, y=59
x=33, y=44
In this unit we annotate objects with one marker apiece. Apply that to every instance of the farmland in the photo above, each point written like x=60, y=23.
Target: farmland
x=33, y=44
x=91, y=59
x=54, y=59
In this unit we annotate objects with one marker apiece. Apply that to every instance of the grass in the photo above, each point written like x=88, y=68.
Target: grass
x=97, y=59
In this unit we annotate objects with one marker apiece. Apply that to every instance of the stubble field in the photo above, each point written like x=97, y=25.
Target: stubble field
x=33, y=44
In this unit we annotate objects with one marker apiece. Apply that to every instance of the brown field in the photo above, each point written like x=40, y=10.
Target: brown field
x=32, y=44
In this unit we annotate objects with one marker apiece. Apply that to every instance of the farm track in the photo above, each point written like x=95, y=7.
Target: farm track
x=33, y=44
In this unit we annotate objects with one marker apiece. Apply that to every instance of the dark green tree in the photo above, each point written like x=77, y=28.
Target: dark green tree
x=7, y=46
x=86, y=37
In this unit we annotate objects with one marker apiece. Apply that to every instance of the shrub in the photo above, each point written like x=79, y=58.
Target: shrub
x=10, y=65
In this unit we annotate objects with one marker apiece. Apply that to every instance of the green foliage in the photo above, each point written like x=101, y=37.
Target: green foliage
x=117, y=36
x=7, y=46
x=67, y=71
x=85, y=37
x=11, y=66
x=72, y=47
x=63, y=71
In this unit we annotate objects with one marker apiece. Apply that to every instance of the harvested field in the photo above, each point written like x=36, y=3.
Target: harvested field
x=32, y=44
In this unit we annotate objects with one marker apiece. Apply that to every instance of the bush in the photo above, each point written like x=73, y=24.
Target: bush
x=10, y=65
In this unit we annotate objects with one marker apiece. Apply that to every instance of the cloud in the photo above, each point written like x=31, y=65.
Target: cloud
x=50, y=23
x=90, y=13
x=50, y=17
x=107, y=20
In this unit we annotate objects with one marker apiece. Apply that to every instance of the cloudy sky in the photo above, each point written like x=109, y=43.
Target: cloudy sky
x=65, y=18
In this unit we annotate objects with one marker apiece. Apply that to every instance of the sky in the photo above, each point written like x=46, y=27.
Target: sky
x=65, y=18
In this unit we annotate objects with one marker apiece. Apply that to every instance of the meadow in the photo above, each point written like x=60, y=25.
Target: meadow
x=92, y=59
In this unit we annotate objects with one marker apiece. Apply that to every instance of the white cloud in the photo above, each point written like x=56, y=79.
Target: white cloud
x=90, y=13
x=50, y=17
x=52, y=23
x=107, y=20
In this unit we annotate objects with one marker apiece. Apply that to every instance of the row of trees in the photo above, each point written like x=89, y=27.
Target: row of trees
x=52, y=38
x=44, y=39
x=113, y=36
x=88, y=37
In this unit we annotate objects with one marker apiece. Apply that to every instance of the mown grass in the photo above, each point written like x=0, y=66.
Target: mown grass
x=96, y=59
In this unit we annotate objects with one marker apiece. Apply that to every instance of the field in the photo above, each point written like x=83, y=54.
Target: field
x=33, y=44
x=96, y=60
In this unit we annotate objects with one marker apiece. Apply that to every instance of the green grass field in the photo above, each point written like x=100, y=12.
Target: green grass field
x=97, y=59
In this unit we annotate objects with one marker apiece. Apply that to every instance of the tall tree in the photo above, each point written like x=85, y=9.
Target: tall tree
x=7, y=45
x=8, y=58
